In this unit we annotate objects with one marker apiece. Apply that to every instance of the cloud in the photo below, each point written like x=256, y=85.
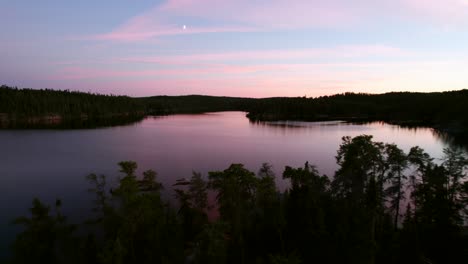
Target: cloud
x=224, y=64
x=315, y=63
x=269, y=75
x=215, y=16
x=332, y=53
x=446, y=12
x=264, y=13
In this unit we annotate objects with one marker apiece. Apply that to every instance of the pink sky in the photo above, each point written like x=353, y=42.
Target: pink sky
x=241, y=48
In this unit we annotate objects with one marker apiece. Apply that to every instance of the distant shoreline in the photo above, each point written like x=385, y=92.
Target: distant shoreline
x=50, y=109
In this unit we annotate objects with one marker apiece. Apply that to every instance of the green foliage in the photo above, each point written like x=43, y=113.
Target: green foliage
x=46, y=238
x=235, y=189
x=211, y=244
x=305, y=213
x=164, y=105
x=138, y=227
x=193, y=205
x=397, y=162
x=268, y=226
x=50, y=108
x=25, y=108
x=198, y=193
x=360, y=159
x=400, y=107
x=266, y=192
x=353, y=218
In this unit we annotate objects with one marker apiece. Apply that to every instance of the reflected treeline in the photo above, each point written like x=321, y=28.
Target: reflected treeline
x=452, y=139
x=444, y=111
x=29, y=108
x=294, y=127
x=360, y=215
x=72, y=122
x=403, y=108
x=301, y=124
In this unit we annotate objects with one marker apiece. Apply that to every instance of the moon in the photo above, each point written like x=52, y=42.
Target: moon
x=184, y=27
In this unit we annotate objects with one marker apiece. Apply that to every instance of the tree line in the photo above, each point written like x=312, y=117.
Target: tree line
x=165, y=105
x=68, y=109
x=25, y=108
x=383, y=205
x=403, y=107
x=442, y=110
x=30, y=102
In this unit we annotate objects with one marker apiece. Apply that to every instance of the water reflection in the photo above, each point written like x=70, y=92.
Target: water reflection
x=453, y=141
x=53, y=163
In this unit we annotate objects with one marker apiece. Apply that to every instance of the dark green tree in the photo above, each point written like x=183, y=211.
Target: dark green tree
x=193, y=205
x=139, y=227
x=47, y=238
x=397, y=161
x=306, y=208
x=235, y=189
x=358, y=191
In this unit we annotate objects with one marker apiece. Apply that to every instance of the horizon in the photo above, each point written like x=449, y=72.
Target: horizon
x=250, y=49
x=243, y=97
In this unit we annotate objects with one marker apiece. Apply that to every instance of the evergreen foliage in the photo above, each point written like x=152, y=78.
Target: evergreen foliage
x=66, y=109
x=382, y=206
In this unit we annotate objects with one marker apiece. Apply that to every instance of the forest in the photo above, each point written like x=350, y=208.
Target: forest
x=382, y=205
x=24, y=108
x=29, y=108
x=165, y=105
x=404, y=108
x=444, y=111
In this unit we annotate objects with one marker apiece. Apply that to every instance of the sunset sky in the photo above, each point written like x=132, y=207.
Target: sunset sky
x=249, y=48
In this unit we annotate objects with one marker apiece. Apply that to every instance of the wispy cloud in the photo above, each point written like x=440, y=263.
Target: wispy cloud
x=446, y=12
x=271, y=80
x=229, y=63
x=129, y=35
x=331, y=53
x=215, y=16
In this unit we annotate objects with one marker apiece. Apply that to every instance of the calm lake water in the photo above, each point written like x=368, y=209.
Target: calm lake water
x=51, y=164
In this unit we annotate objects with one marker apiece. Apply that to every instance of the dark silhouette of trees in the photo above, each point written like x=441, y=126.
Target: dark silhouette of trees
x=401, y=107
x=382, y=206
x=29, y=108
x=305, y=213
x=24, y=108
x=397, y=163
x=193, y=205
x=235, y=189
x=137, y=226
x=46, y=237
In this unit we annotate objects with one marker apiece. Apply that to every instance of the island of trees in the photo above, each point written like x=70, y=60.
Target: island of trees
x=382, y=206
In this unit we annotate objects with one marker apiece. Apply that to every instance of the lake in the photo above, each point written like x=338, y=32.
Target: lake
x=51, y=164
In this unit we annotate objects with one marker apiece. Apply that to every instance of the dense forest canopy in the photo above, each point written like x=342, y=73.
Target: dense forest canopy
x=23, y=108
x=443, y=110
x=383, y=205
x=66, y=109
x=194, y=104
x=30, y=102
x=395, y=106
